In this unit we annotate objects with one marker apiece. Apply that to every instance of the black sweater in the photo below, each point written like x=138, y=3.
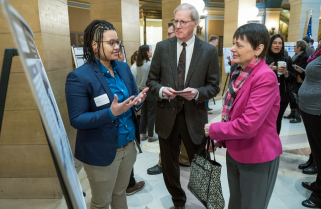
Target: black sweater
x=283, y=81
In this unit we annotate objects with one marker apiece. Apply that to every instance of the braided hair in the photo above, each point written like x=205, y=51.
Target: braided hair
x=95, y=32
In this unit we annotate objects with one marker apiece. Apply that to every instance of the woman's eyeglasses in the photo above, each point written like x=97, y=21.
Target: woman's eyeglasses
x=113, y=43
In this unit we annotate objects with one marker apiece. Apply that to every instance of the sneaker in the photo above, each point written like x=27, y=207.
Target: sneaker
x=143, y=138
x=138, y=186
x=152, y=139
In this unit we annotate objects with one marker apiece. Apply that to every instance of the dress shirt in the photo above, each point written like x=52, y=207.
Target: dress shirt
x=117, y=86
x=189, y=53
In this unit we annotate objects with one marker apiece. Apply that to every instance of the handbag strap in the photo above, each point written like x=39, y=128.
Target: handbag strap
x=206, y=141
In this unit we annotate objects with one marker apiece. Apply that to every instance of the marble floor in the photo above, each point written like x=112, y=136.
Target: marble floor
x=288, y=192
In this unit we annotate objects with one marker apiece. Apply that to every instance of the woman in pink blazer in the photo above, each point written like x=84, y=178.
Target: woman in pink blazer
x=248, y=127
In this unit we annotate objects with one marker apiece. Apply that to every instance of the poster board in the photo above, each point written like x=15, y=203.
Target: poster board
x=46, y=103
x=78, y=55
x=227, y=52
x=289, y=47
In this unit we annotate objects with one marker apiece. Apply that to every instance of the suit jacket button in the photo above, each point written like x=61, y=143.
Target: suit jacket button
x=173, y=108
x=229, y=118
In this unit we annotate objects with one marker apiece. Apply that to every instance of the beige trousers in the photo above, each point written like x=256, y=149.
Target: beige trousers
x=183, y=157
x=109, y=183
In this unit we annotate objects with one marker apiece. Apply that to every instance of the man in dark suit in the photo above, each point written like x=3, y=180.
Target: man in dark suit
x=182, y=63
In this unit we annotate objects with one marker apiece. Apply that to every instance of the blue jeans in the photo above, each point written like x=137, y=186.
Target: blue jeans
x=207, y=103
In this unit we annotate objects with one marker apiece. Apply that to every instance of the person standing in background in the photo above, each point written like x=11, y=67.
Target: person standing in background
x=311, y=42
x=308, y=49
x=285, y=74
x=148, y=111
x=214, y=41
x=133, y=68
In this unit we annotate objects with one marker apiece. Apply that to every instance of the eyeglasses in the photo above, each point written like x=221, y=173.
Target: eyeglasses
x=168, y=34
x=113, y=43
x=182, y=23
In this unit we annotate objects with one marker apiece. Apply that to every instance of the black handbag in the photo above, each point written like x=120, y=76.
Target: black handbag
x=204, y=181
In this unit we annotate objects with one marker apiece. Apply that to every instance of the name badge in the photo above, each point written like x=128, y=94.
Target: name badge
x=101, y=100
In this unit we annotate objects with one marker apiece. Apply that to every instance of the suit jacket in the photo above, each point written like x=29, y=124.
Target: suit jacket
x=97, y=134
x=203, y=75
x=250, y=134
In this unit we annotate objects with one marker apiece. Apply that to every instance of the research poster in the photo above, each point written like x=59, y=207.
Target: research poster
x=227, y=52
x=45, y=100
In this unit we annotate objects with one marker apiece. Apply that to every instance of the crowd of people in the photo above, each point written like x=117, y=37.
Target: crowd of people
x=114, y=107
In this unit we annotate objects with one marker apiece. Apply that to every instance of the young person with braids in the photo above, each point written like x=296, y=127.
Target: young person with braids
x=101, y=96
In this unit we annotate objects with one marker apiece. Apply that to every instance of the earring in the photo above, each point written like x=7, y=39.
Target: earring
x=257, y=59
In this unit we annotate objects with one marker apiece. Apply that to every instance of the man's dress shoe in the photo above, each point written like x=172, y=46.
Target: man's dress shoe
x=308, y=204
x=154, y=170
x=310, y=170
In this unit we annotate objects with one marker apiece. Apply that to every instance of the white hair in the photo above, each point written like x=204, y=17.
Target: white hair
x=194, y=13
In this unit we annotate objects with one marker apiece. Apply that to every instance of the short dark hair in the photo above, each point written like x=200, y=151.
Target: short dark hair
x=142, y=55
x=302, y=44
x=306, y=39
x=212, y=38
x=170, y=25
x=95, y=32
x=311, y=41
x=255, y=34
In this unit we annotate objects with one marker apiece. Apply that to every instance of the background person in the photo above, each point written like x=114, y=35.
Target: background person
x=310, y=107
x=248, y=123
x=100, y=98
x=148, y=111
x=299, y=59
x=308, y=49
x=213, y=41
x=182, y=116
x=133, y=68
x=285, y=77
x=311, y=42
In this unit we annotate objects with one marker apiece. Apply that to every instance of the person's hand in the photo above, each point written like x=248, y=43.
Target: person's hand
x=140, y=97
x=273, y=67
x=283, y=70
x=297, y=68
x=207, y=129
x=190, y=95
x=229, y=58
x=216, y=145
x=119, y=108
x=167, y=93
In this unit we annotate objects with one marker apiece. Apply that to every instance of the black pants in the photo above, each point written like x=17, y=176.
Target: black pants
x=283, y=106
x=312, y=124
x=132, y=180
x=147, y=115
x=170, y=149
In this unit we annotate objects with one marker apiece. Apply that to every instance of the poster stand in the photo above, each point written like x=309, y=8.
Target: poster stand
x=227, y=77
x=4, y=81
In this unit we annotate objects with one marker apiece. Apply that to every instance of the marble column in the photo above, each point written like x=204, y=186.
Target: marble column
x=168, y=7
x=272, y=19
x=124, y=15
x=236, y=14
x=299, y=19
x=27, y=169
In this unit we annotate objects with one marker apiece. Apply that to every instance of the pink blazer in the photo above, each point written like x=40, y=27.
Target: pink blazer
x=250, y=135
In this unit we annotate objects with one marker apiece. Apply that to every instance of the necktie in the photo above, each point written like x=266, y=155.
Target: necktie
x=181, y=75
